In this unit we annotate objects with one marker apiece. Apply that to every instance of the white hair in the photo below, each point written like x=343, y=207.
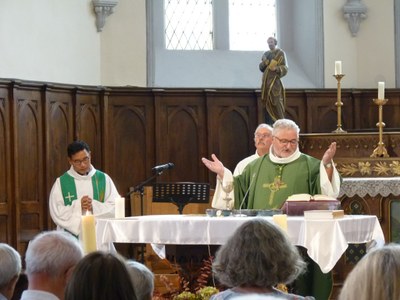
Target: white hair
x=10, y=264
x=263, y=125
x=142, y=279
x=284, y=124
x=52, y=252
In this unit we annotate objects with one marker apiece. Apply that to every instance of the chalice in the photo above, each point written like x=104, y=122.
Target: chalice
x=227, y=187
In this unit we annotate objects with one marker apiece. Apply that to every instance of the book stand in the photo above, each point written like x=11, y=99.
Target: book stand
x=181, y=193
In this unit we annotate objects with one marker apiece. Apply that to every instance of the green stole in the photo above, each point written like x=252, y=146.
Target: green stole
x=269, y=184
x=68, y=187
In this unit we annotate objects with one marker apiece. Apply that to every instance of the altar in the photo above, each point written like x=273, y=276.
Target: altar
x=325, y=240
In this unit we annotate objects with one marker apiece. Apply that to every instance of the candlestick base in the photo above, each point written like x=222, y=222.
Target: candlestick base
x=380, y=151
x=339, y=130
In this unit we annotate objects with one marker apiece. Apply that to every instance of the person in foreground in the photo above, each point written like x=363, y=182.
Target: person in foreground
x=142, y=279
x=268, y=181
x=255, y=259
x=100, y=276
x=376, y=276
x=73, y=193
x=50, y=259
x=10, y=268
x=262, y=142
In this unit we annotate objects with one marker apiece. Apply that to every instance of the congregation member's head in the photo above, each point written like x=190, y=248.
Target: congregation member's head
x=10, y=268
x=142, y=279
x=100, y=276
x=50, y=259
x=258, y=255
x=375, y=276
x=285, y=138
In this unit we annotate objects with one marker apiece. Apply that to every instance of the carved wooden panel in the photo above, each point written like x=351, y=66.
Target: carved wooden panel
x=59, y=128
x=7, y=233
x=360, y=145
x=28, y=150
x=232, y=120
x=181, y=138
x=89, y=123
x=130, y=142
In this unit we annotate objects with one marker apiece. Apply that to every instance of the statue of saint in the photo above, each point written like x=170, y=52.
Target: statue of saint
x=273, y=66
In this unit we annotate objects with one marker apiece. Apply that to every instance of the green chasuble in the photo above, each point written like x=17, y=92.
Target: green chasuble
x=68, y=187
x=269, y=184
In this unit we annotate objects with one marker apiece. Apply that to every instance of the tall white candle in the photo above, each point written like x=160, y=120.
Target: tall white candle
x=120, y=207
x=381, y=90
x=88, y=233
x=338, y=67
x=281, y=221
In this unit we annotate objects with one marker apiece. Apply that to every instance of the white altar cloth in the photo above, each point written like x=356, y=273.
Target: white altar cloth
x=325, y=240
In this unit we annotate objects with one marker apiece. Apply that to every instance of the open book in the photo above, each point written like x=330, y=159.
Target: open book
x=308, y=197
x=323, y=214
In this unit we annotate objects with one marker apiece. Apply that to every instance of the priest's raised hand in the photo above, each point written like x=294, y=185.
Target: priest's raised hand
x=214, y=165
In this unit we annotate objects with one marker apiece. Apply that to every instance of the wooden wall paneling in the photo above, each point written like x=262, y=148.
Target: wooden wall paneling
x=7, y=199
x=390, y=111
x=180, y=136
x=322, y=111
x=28, y=164
x=59, y=133
x=232, y=120
x=296, y=108
x=89, y=122
x=131, y=144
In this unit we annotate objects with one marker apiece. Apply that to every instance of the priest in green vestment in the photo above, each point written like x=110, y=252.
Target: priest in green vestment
x=82, y=188
x=267, y=182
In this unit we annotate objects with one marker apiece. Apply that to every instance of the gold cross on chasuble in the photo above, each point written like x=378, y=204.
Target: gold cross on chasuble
x=69, y=197
x=276, y=185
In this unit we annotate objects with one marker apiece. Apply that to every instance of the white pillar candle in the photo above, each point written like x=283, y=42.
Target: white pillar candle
x=281, y=221
x=88, y=233
x=381, y=90
x=119, y=207
x=338, y=67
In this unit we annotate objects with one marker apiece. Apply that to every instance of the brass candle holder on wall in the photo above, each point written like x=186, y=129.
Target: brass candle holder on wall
x=339, y=104
x=380, y=151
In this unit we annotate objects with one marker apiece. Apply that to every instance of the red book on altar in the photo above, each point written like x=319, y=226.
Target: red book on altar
x=296, y=204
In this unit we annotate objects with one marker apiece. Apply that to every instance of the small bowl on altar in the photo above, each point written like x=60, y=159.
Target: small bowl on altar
x=213, y=212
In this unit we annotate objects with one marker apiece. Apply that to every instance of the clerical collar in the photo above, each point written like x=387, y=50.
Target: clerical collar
x=284, y=160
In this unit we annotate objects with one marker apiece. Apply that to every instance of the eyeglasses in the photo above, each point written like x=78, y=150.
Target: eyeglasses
x=78, y=162
x=262, y=135
x=285, y=142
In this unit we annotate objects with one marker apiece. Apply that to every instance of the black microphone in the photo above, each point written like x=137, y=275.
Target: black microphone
x=245, y=195
x=163, y=167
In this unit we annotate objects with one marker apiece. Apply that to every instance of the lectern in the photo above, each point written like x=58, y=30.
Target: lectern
x=181, y=193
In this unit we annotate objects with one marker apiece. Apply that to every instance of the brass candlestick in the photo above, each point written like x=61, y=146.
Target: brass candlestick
x=339, y=105
x=380, y=151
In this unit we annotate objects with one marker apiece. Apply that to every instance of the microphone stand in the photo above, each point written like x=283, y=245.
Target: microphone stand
x=140, y=188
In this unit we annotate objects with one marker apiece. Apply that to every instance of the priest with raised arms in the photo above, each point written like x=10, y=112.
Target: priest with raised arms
x=82, y=188
x=268, y=181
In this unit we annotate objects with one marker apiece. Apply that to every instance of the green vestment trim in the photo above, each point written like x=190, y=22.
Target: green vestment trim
x=68, y=187
x=269, y=184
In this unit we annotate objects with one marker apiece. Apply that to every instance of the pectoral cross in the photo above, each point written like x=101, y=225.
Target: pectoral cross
x=69, y=197
x=276, y=185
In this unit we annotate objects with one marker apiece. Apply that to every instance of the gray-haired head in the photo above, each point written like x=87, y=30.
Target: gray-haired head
x=263, y=125
x=142, y=279
x=52, y=252
x=375, y=276
x=10, y=264
x=257, y=255
x=284, y=124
